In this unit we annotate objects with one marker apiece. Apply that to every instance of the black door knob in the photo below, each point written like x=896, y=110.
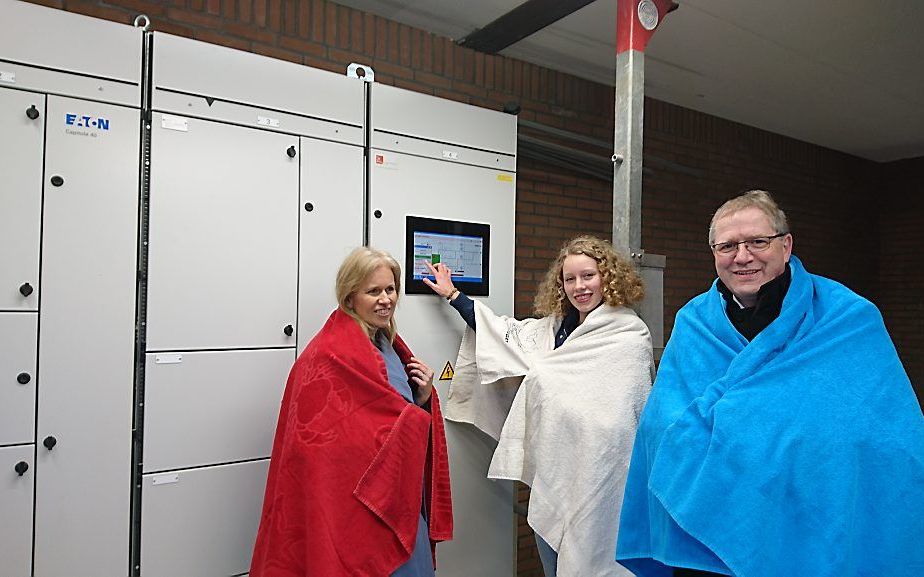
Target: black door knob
x=309, y=207
x=21, y=468
x=57, y=180
x=50, y=442
x=26, y=289
x=377, y=214
x=32, y=112
x=291, y=151
x=288, y=330
x=23, y=378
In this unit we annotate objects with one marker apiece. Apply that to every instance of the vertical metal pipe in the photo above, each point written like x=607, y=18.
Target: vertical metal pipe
x=627, y=157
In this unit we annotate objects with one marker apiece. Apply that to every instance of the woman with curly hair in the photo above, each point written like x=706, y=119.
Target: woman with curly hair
x=562, y=395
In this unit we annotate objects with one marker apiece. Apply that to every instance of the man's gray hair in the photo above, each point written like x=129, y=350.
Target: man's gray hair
x=759, y=199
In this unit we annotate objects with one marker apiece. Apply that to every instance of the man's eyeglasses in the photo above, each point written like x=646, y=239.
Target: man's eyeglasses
x=753, y=244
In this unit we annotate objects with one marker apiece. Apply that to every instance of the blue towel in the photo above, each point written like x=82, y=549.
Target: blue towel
x=800, y=453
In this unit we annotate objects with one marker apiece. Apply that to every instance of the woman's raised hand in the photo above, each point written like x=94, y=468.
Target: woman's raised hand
x=443, y=285
x=421, y=375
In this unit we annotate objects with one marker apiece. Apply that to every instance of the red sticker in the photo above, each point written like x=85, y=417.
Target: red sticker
x=379, y=159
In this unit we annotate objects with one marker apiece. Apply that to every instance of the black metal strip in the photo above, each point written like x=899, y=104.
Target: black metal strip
x=524, y=20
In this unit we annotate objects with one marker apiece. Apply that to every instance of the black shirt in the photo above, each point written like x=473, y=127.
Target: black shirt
x=751, y=320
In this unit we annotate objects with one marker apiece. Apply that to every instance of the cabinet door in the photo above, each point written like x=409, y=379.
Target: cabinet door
x=202, y=522
x=211, y=407
x=16, y=482
x=404, y=184
x=331, y=226
x=223, y=261
x=17, y=378
x=87, y=339
x=22, y=124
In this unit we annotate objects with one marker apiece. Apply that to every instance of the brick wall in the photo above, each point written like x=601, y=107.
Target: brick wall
x=693, y=161
x=901, y=263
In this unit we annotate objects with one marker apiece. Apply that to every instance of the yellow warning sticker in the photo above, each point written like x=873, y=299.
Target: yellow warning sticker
x=505, y=177
x=447, y=373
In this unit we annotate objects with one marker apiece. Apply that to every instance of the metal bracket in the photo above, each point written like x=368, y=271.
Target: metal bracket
x=361, y=71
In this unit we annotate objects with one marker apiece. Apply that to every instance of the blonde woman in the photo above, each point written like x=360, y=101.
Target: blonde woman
x=359, y=477
x=562, y=394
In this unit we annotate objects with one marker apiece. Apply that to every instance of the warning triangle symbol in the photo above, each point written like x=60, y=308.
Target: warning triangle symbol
x=447, y=373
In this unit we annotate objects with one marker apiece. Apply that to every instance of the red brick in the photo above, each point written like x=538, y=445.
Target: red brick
x=330, y=24
x=381, y=38
x=317, y=20
x=303, y=47
x=290, y=17
x=343, y=27
x=278, y=53
x=259, y=12
x=250, y=32
x=357, y=38
x=432, y=80
x=222, y=39
x=193, y=19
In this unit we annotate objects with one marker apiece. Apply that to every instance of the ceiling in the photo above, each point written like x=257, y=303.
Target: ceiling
x=843, y=74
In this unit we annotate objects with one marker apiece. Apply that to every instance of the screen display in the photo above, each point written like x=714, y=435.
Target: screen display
x=462, y=246
x=462, y=254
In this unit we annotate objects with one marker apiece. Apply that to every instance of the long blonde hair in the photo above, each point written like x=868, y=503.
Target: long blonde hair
x=621, y=285
x=354, y=271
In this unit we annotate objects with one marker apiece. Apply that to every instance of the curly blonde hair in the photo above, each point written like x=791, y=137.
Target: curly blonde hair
x=621, y=284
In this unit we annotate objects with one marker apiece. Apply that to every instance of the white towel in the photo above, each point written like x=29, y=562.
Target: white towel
x=567, y=429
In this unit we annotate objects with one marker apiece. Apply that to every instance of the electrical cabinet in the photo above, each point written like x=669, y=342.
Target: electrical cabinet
x=444, y=160
x=164, y=264
x=256, y=194
x=17, y=478
x=68, y=230
x=22, y=123
x=87, y=342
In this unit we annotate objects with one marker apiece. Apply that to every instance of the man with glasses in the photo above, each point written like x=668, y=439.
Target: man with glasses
x=782, y=436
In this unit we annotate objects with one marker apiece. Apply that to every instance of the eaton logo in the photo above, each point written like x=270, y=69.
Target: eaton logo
x=81, y=121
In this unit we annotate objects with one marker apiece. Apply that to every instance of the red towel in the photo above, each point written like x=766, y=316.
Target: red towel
x=349, y=461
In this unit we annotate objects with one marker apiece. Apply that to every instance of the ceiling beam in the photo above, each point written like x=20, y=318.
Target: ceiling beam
x=524, y=20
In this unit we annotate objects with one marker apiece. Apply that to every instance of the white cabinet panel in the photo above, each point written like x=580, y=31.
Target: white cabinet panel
x=201, y=522
x=404, y=185
x=205, y=408
x=223, y=259
x=17, y=377
x=21, y=199
x=86, y=346
x=331, y=226
x=16, y=482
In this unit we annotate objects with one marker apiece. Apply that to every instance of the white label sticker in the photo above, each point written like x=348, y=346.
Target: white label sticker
x=166, y=479
x=171, y=122
x=451, y=155
x=7, y=76
x=170, y=359
x=267, y=121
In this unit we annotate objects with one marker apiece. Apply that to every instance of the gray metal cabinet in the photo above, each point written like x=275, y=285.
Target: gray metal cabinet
x=17, y=377
x=445, y=160
x=86, y=345
x=212, y=407
x=22, y=124
x=224, y=237
x=16, y=482
x=331, y=225
x=218, y=539
x=256, y=194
